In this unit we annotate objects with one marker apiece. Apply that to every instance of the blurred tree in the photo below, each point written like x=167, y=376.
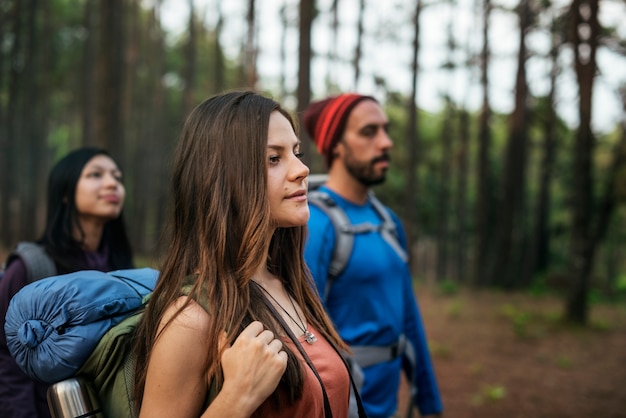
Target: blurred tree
x=307, y=14
x=88, y=73
x=13, y=129
x=537, y=256
x=511, y=231
x=411, y=184
x=356, y=62
x=461, y=197
x=584, y=33
x=446, y=161
x=219, y=53
x=31, y=108
x=333, y=56
x=484, y=178
x=284, y=27
x=191, y=61
x=110, y=80
x=251, y=49
x=5, y=144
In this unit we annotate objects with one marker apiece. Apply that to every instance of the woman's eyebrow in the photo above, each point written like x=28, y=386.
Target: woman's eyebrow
x=278, y=147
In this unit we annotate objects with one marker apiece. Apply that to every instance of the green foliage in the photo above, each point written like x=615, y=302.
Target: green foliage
x=601, y=325
x=439, y=350
x=489, y=393
x=454, y=309
x=448, y=287
x=519, y=319
x=620, y=284
x=564, y=362
x=538, y=287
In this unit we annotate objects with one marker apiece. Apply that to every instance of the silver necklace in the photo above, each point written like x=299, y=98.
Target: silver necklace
x=309, y=337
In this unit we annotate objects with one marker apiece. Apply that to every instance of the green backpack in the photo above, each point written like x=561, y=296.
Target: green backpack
x=109, y=370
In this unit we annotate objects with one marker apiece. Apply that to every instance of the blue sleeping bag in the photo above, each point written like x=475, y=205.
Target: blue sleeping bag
x=54, y=324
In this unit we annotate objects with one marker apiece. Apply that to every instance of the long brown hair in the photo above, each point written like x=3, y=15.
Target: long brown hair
x=218, y=229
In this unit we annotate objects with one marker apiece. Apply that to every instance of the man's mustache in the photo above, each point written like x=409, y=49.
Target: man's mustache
x=384, y=157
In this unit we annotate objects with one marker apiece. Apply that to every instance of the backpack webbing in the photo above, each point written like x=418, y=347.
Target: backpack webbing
x=38, y=263
x=345, y=231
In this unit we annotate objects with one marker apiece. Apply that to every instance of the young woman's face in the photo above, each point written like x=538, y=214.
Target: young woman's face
x=99, y=191
x=287, y=174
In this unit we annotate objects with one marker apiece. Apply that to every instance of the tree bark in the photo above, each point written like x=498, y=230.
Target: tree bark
x=4, y=143
x=88, y=74
x=109, y=132
x=539, y=247
x=484, y=198
x=11, y=215
x=413, y=142
x=584, y=21
x=191, y=61
x=219, y=54
x=510, y=232
x=251, y=47
x=461, y=196
x=359, y=45
x=307, y=10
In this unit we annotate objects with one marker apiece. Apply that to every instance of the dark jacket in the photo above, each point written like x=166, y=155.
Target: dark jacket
x=21, y=397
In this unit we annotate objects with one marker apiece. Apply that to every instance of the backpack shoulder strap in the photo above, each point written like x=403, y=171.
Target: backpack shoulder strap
x=38, y=263
x=344, y=238
x=389, y=230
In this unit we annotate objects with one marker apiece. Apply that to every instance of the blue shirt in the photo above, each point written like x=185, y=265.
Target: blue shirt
x=372, y=302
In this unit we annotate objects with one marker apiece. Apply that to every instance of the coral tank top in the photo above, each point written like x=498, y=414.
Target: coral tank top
x=333, y=373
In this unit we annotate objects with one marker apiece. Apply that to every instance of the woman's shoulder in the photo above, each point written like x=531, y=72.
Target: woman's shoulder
x=187, y=314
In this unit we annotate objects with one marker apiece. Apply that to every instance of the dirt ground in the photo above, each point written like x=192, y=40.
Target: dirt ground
x=501, y=355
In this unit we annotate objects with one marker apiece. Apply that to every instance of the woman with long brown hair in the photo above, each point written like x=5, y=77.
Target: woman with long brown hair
x=234, y=327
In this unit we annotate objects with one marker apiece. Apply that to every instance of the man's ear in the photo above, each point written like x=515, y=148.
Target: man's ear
x=337, y=151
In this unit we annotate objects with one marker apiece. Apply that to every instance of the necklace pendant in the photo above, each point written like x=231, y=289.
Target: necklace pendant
x=309, y=337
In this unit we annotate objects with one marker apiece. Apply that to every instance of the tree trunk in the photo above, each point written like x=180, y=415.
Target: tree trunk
x=88, y=74
x=191, y=61
x=538, y=252
x=444, y=193
x=162, y=146
x=284, y=27
x=359, y=45
x=44, y=85
x=307, y=10
x=484, y=178
x=4, y=143
x=331, y=79
x=251, y=47
x=461, y=196
x=109, y=132
x=413, y=143
x=510, y=231
x=12, y=218
x=584, y=15
x=447, y=135
x=29, y=167
x=220, y=84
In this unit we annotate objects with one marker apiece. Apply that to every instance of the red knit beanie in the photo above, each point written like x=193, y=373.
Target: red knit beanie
x=325, y=121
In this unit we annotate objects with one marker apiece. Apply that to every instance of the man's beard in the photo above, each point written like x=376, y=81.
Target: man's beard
x=365, y=172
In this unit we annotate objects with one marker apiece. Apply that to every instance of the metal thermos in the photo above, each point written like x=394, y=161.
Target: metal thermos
x=73, y=398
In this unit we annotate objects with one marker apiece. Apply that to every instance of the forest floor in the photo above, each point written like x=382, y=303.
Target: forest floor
x=503, y=355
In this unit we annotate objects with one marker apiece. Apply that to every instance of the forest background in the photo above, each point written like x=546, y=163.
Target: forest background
x=526, y=198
